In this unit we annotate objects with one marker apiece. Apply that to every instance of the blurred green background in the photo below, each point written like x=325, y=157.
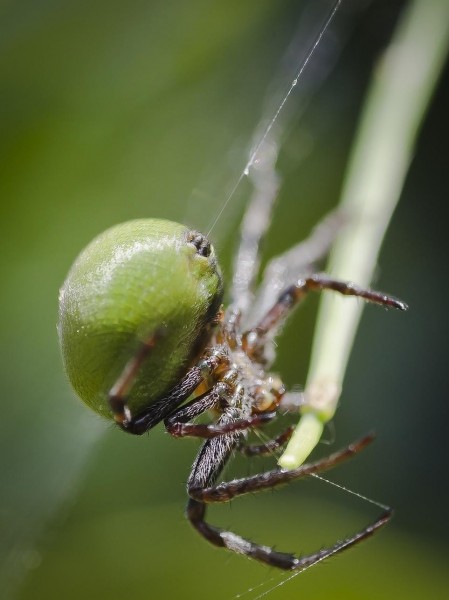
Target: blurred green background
x=111, y=111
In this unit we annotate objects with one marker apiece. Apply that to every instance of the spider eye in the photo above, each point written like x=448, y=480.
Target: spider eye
x=201, y=243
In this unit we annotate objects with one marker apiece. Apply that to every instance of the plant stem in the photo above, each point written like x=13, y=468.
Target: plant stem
x=399, y=95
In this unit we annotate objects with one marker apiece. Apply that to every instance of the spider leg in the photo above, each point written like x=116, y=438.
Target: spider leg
x=293, y=294
x=286, y=268
x=255, y=223
x=156, y=412
x=208, y=465
x=196, y=512
x=214, y=453
x=269, y=446
x=226, y=491
x=176, y=423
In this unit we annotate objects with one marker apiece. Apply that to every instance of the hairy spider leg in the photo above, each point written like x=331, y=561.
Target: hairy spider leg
x=269, y=446
x=286, y=268
x=318, y=282
x=282, y=269
x=176, y=423
x=159, y=410
x=207, y=467
x=226, y=491
x=255, y=338
x=255, y=224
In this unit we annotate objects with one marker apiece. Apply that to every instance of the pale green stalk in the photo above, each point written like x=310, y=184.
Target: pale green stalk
x=396, y=104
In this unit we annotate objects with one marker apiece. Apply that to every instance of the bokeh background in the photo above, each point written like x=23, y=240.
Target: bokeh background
x=111, y=111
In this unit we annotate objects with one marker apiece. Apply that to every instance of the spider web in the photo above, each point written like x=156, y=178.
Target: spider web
x=272, y=131
x=308, y=60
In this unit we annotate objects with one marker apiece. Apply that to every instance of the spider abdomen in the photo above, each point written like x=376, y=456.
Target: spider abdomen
x=135, y=279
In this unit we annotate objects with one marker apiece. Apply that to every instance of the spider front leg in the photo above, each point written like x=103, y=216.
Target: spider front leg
x=254, y=339
x=177, y=425
x=202, y=490
x=159, y=410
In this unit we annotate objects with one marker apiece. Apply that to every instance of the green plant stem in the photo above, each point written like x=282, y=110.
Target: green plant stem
x=399, y=95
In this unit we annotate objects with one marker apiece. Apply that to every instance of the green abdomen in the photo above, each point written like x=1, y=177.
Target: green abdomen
x=127, y=284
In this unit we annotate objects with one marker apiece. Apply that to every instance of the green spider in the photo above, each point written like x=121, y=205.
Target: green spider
x=145, y=340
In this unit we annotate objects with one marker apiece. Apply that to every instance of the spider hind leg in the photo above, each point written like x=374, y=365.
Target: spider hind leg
x=196, y=512
x=203, y=490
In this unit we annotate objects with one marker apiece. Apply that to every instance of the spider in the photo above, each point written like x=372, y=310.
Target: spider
x=145, y=340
